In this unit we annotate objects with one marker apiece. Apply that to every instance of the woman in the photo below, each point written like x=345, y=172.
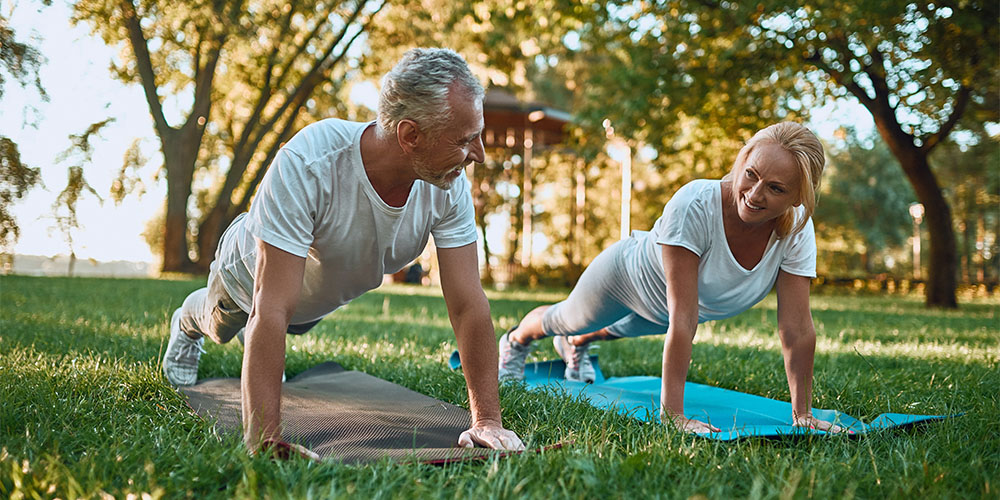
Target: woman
x=719, y=248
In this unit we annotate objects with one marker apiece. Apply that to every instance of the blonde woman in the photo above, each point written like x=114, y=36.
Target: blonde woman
x=718, y=249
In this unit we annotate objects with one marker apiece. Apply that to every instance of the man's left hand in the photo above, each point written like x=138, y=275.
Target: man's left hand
x=491, y=435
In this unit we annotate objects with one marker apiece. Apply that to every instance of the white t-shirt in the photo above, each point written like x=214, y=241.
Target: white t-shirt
x=693, y=219
x=316, y=202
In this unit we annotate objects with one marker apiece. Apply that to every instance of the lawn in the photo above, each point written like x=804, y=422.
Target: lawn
x=85, y=411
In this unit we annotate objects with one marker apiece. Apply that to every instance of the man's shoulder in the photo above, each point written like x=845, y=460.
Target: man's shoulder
x=323, y=137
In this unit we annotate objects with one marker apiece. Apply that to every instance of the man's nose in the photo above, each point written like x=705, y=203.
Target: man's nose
x=478, y=151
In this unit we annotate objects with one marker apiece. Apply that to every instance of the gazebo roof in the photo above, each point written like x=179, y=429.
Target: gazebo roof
x=506, y=120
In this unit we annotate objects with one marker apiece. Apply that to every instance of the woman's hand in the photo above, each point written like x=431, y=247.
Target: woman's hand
x=688, y=424
x=814, y=423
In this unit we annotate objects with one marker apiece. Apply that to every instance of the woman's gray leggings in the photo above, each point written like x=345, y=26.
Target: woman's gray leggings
x=601, y=298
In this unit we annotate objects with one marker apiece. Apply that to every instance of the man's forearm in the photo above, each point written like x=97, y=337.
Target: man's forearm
x=478, y=350
x=263, y=365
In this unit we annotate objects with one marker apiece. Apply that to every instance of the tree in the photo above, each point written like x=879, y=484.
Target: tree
x=864, y=203
x=917, y=67
x=262, y=62
x=22, y=62
x=80, y=153
x=973, y=177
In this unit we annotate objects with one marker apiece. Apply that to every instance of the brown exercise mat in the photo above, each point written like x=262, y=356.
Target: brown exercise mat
x=349, y=416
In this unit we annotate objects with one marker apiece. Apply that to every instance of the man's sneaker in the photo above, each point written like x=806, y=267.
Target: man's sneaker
x=512, y=357
x=578, y=365
x=180, y=362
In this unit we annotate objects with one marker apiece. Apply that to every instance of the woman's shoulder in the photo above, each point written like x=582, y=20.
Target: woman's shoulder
x=698, y=191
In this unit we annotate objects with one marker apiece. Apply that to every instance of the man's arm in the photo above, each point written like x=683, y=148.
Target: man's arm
x=680, y=268
x=277, y=282
x=798, y=346
x=469, y=312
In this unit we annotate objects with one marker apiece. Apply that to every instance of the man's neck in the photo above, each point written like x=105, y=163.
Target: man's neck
x=386, y=167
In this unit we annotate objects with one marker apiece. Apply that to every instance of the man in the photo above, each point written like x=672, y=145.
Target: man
x=343, y=204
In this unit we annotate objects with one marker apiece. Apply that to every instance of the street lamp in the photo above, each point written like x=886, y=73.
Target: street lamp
x=917, y=213
x=619, y=150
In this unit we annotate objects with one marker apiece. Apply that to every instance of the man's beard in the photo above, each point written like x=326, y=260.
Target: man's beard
x=424, y=172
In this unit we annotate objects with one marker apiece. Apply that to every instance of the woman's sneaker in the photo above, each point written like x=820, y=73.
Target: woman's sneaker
x=578, y=365
x=512, y=357
x=180, y=362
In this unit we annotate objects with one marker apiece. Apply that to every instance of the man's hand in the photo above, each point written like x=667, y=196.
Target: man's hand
x=688, y=424
x=491, y=435
x=815, y=423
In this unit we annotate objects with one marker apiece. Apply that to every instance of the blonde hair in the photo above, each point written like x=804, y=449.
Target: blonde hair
x=807, y=151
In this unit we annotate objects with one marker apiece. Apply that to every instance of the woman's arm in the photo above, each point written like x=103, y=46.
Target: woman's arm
x=680, y=267
x=798, y=345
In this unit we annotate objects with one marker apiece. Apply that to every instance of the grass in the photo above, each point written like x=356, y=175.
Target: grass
x=85, y=411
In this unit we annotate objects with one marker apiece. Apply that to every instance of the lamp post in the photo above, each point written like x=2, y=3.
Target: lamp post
x=917, y=213
x=618, y=147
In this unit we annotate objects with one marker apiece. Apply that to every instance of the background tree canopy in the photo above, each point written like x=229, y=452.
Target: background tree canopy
x=682, y=83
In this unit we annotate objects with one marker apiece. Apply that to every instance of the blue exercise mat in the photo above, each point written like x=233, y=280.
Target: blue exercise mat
x=737, y=414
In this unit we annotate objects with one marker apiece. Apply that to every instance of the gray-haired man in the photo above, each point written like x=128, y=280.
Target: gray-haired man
x=343, y=204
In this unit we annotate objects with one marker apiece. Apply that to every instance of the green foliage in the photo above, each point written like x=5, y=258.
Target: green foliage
x=16, y=179
x=22, y=62
x=79, y=154
x=87, y=413
x=249, y=74
x=19, y=60
x=863, y=201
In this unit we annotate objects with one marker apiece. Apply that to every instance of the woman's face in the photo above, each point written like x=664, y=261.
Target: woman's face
x=767, y=184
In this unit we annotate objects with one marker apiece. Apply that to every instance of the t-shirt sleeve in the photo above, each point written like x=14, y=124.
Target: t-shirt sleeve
x=283, y=212
x=800, y=256
x=458, y=226
x=685, y=220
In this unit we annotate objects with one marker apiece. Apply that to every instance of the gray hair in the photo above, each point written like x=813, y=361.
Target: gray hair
x=417, y=89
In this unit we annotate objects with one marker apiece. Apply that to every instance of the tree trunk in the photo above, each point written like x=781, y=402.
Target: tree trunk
x=178, y=158
x=942, y=266
x=943, y=263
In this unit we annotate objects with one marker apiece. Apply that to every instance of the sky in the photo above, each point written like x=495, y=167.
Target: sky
x=81, y=91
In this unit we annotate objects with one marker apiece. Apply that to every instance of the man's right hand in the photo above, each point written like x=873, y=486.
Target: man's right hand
x=491, y=435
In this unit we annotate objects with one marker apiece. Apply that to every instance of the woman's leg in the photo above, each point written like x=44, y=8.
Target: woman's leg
x=597, y=300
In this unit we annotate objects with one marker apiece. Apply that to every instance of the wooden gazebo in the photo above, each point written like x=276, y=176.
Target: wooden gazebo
x=522, y=128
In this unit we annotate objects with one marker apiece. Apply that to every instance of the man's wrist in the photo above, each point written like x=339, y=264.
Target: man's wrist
x=487, y=421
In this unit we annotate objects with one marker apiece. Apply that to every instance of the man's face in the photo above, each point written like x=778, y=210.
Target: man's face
x=443, y=160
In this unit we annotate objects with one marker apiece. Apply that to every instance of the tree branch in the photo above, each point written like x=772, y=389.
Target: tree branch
x=961, y=101
x=266, y=90
x=146, y=74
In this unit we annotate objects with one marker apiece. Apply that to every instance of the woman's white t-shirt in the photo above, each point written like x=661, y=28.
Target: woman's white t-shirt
x=316, y=202
x=692, y=219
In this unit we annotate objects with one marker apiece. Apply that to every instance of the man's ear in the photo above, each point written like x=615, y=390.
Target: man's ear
x=408, y=135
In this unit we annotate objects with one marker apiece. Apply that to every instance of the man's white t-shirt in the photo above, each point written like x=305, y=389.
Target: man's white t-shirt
x=316, y=202
x=693, y=219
